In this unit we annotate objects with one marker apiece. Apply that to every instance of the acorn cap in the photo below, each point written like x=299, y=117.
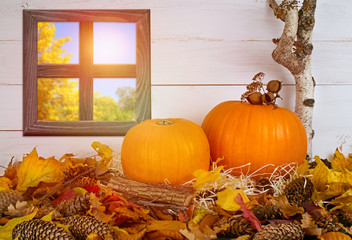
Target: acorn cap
x=274, y=86
x=255, y=98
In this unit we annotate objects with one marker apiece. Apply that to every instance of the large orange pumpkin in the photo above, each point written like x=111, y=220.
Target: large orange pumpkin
x=257, y=134
x=157, y=150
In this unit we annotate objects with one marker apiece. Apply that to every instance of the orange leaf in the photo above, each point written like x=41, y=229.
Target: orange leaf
x=334, y=236
x=34, y=170
x=97, y=209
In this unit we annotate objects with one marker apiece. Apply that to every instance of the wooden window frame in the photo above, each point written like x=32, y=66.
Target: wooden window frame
x=85, y=71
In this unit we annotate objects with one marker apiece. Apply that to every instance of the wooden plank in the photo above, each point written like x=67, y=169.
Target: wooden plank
x=30, y=54
x=225, y=19
x=86, y=64
x=58, y=71
x=102, y=15
x=114, y=71
x=198, y=62
x=143, y=70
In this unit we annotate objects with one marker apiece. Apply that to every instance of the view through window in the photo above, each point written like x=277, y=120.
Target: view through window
x=92, y=72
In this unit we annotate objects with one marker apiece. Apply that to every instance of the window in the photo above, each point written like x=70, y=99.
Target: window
x=90, y=74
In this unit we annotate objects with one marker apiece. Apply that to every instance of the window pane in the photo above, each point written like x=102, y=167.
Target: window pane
x=114, y=43
x=58, y=42
x=114, y=99
x=58, y=99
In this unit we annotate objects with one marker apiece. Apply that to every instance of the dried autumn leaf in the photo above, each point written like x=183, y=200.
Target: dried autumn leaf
x=97, y=209
x=194, y=233
x=226, y=199
x=6, y=231
x=343, y=202
x=204, y=177
x=309, y=226
x=11, y=172
x=303, y=169
x=286, y=208
x=247, y=213
x=320, y=175
x=122, y=234
x=5, y=183
x=20, y=209
x=104, y=151
x=163, y=234
x=334, y=236
x=34, y=170
x=340, y=163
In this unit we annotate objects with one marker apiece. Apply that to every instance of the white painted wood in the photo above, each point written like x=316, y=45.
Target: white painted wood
x=230, y=19
x=213, y=62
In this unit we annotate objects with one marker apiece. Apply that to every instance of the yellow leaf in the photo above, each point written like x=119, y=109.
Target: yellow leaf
x=339, y=162
x=104, y=151
x=303, y=169
x=320, y=175
x=97, y=209
x=5, y=183
x=6, y=231
x=343, y=202
x=334, y=236
x=286, y=208
x=165, y=225
x=48, y=217
x=226, y=199
x=34, y=170
x=204, y=177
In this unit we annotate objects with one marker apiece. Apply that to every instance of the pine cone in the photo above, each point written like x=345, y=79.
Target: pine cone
x=82, y=226
x=299, y=190
x=328, y=223
x=77, y=170
x=38, y=229
x=8, y=197
x=81, y=182
x=80, y=204
x=237, y=226
x=267, y=212
x=264, y=184
x=283, y=231
x=345, y=218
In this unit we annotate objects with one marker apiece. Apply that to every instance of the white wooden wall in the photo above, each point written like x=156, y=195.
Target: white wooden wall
x=203, y=53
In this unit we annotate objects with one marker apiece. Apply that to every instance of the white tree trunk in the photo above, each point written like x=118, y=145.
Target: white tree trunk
x=293, y=51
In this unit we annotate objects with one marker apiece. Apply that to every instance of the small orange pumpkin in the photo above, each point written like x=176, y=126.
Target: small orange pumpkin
x=160, y=150
x=258, y=134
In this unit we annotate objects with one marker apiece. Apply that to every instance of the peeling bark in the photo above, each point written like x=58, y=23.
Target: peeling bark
x=293, y=51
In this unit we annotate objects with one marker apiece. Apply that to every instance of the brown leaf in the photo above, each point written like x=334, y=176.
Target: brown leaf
x=163, y=234
x=286, y=208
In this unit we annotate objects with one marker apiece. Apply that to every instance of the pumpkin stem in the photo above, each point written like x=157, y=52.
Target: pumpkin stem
x=164, y=122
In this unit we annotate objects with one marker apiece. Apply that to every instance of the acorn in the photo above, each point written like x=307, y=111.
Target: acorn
x=255, y=98
x=268, y=98
x=274, y=86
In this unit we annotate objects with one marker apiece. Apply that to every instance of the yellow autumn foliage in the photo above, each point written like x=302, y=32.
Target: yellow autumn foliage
x=34, y=170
